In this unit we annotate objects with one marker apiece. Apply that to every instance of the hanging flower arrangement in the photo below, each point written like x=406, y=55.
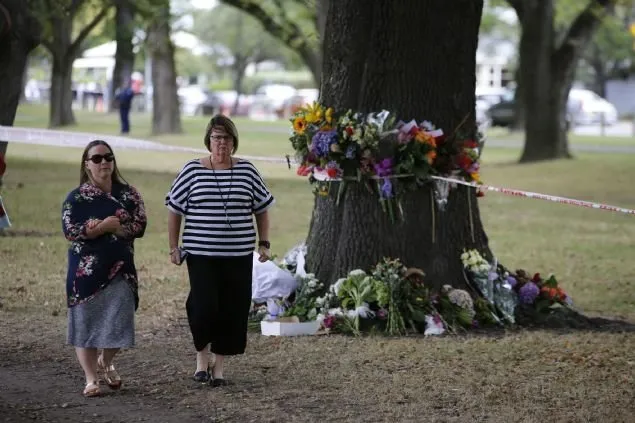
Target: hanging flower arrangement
x=375, y=148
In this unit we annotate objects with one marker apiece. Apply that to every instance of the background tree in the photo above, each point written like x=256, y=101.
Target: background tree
x=390, y=55
x=548, y=60
x=298, y=24
x=125, y=27
x=19, y=34
x=166, y=116
x=58, y=18
x=610, y=53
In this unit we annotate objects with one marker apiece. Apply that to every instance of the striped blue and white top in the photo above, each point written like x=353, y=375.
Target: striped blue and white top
x=218, y=206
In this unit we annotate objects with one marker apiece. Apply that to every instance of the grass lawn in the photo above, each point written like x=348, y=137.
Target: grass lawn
x=522, y=376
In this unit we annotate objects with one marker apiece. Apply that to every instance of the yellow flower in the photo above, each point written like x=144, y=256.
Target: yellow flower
x=299, y=125
x=476, y=177
x=313, y=112
x=329, y=115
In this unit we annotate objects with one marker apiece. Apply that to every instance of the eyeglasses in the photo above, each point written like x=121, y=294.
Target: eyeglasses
x=98, y=158
x=219, y=138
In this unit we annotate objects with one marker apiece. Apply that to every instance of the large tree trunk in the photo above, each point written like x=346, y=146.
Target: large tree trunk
x=166, y=116
x=376, y=58
x=238, y=70
x=61, y=103
x=547, y=71
x=545, y=132
x=19, y=34
x=124, y=55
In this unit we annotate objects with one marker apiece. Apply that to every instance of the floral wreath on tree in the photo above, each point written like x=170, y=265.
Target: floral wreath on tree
x=374, y=147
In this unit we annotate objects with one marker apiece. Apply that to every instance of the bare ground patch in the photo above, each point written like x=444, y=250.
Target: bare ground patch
x=517, y=376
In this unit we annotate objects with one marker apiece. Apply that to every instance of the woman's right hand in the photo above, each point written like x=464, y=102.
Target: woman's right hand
x=175, y=256
x=110, y=224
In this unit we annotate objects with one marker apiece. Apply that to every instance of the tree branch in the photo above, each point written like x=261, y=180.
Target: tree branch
x=518, y=6
x=583, y=27
x=74, y=48
x=288, y=32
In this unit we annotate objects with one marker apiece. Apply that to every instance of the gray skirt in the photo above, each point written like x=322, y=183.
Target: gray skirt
x=105, y=321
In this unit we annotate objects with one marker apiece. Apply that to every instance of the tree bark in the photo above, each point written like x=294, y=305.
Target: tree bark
x=547, y=71
x=166, y=116
x=19, y=34
x=61, y=103
x=238, y=70
x=376, y=58
x=124, y=55
x=64, y=51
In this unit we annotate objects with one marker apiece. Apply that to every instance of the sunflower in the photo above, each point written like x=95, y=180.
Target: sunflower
x=299, y=125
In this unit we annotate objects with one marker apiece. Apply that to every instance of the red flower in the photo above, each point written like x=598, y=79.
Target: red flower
x=303, y=170
x=349, y=131
x=480, y=193
x=536, y=277
x=440, y=139
x=464, y=161
x=470, y=144
x=332, y=172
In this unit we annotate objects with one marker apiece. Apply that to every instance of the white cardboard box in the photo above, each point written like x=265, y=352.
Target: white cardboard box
x=288, y=328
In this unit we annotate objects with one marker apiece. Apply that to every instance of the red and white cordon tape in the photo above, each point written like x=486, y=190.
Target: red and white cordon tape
x=527, y=194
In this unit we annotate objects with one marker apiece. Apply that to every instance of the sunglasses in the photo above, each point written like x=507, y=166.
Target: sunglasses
x=98, y=158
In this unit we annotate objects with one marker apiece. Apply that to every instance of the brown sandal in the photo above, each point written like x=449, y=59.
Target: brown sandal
x=92, y=390
x=110, y=375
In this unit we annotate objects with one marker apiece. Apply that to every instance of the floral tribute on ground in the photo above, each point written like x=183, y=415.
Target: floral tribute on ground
x=395, y=300
x=391, y=156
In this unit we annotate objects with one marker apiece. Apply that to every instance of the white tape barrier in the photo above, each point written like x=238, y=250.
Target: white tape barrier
x=80, y=139
x=57, y=138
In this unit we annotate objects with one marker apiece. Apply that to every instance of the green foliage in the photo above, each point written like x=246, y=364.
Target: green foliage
x=242, y=35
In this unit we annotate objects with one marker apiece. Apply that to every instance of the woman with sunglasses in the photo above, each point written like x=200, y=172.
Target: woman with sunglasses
x=101, y=218
x=218, y=196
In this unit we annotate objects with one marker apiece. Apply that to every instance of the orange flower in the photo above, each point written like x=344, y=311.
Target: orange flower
x=431, y=155
x=425, y=138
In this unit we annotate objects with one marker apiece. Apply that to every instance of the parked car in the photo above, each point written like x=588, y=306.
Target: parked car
x=271, y=100
x=504, y=113
x=191, y=99
x=303, y=97
x=590, y=108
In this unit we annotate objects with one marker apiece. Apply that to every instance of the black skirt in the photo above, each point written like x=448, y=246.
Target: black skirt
x=219, y=301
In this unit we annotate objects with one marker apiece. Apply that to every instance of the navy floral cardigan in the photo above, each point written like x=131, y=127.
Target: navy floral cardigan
x=94, y=263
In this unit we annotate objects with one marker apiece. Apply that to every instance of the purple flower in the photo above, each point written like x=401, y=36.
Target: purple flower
x=350, y=152
x=384, y=168
x=492, y=276
x=528, y=293
x=512, y=281
x=382, y=314
x=322, y=141
x=474, y=167
x=386, y=189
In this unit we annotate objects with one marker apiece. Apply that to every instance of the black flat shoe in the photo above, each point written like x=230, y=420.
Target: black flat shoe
x=215, y=383
x=203, y=376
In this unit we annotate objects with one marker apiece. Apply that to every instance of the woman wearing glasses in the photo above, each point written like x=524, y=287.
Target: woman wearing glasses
x=101, y=218
x=217, y=196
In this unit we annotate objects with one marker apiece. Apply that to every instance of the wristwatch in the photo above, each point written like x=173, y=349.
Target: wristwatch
x=265, y=244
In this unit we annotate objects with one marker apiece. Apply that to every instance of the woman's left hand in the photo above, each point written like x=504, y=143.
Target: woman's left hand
x=265, y=254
